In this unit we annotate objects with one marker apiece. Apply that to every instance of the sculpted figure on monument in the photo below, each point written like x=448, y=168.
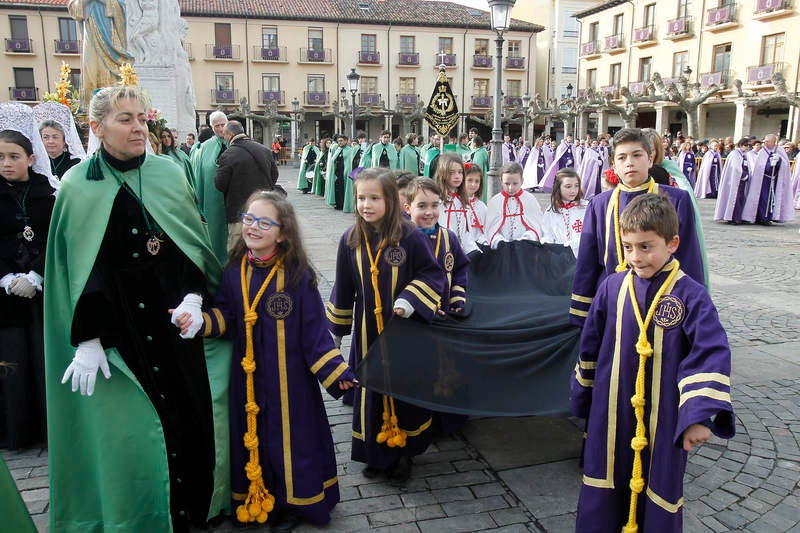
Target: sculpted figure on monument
x=104, y=42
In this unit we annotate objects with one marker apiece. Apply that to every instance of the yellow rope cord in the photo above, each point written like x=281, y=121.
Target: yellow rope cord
x=645, y=350
x=622, y=264
x=259, y=501
x=390, y=432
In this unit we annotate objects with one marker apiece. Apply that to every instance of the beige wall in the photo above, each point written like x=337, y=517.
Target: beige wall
x=745, y=36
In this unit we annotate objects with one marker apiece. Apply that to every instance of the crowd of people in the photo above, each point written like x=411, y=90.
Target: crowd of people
x=179, y=274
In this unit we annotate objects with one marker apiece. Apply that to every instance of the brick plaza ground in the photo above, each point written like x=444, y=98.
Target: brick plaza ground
x=521, y=474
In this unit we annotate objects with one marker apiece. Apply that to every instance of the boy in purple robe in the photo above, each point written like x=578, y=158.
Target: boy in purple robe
x=770, y=196
x=601, y=249
x=652, y=380
x=734, y=184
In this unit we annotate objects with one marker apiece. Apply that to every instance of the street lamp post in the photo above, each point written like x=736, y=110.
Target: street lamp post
x=501, y=18
x=568, y=121
x=526, y=101
x=352, y=81
x=295, y=109
x=343, y=108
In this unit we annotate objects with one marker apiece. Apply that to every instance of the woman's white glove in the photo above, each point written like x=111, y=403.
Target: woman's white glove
x=83, y=369
x=22, y=287
x=193, y=304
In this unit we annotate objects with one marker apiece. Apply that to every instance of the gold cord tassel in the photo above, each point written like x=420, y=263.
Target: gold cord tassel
x=390, y=433
x=645, y=350
x=259, y=502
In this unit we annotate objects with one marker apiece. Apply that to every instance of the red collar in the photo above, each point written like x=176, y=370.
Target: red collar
x=517, y=195
x=569, y=205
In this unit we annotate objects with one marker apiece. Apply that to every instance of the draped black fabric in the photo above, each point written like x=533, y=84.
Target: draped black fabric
x=510, y=355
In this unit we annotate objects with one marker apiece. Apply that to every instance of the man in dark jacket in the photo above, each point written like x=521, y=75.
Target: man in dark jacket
x=245, y=167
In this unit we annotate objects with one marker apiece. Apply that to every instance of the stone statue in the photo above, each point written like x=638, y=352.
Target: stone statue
x=104, y=42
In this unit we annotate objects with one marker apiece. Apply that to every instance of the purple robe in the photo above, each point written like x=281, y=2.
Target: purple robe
x=770, y=195
x=605, y=156
x=688, y=164
x=691, y=361
x=591, y=173
x=509, y=153
x=535, y=167
x=407, y=271
x=708, y=176
x=293, y=355
x=733, y=186
x=598, y=257
x=455, y=266
x=522, y=155
x=566, y=156
x=796, y=182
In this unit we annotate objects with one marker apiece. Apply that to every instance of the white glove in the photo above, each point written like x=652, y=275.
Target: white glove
x=22, y=287
x=774, y=158
x=34, y=278
x=5, y=282
x=192, y=303
x=88, y=358
x=337, y=341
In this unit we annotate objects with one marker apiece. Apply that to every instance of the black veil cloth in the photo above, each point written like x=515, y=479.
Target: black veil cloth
x=510, y=354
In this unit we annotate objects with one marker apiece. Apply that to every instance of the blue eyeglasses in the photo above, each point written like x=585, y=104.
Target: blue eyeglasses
x=263, y=223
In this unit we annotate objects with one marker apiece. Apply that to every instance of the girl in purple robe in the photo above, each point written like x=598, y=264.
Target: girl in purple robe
x=268, y=304
x=384, y=269
x=652, y=379
x=688, y=163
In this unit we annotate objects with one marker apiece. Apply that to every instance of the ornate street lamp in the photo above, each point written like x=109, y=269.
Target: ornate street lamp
x=526, y=102
x=569, y=91
x=568, y=122
x=295, y=110
x=352, y=81
x=501, y=20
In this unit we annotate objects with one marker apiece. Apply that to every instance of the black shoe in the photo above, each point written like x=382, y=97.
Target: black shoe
x=401, y=472
x=287, y=521
x=371, y=473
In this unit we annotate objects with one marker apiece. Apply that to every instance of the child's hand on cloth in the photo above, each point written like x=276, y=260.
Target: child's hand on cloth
x=695, y=435
x=346, y=385
x=190, y=306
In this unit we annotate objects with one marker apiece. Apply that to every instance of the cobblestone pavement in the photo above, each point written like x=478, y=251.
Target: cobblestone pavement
x=510, y=475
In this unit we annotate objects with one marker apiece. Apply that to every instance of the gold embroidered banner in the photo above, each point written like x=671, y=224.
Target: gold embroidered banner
x=442, y=111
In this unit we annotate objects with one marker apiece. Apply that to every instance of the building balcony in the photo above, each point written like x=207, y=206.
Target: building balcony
x=369, y=99
x=707, y=79
x=225, y=52
x=512, y=101
x=316, y=98
x=638, y=88
x=590, y=49
x=369, y=58
x=67, y=47
x=265, y=97
x=481, y=102
x=612, y=90
x=760, y=76
x=19, y=46
x=187, y=47
x=680, y=28
x=670, y=81
x=721, y=18
x=614, y=43
x=517, y=63
x=768, y=9
x=275, y=55
x=408, y=59
x=23, y=94
x=407, y=100
x=449, y=60
x=224, y=96
x=644, y=36
x=481, y=61
x=313, y=55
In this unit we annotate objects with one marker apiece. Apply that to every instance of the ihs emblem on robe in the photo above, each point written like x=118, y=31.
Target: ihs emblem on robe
x=670, y=312
x=395, y=256
x=449, y=261
x=279, y=305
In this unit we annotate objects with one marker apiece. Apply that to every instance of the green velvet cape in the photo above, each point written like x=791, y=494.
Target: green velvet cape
x=107, y=457
x=210, y=200
x=330, y=196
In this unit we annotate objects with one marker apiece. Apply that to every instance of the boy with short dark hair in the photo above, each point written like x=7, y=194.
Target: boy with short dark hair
x=513, y=214
x=601, y=249
x=652, y=379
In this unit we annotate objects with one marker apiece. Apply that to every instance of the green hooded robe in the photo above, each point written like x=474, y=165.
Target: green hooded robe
x=318, y=187
x=330, y=195
x=480, y=157
x=210, y=200
x=409, y=159
x=107, y=456
x=302, y=181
